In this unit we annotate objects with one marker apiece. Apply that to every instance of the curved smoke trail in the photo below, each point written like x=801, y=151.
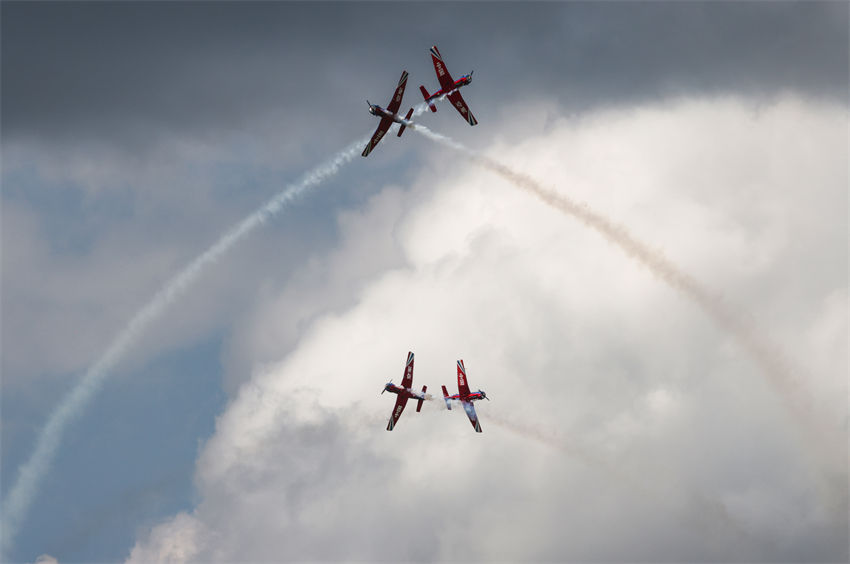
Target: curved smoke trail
x=31, y=473
x=769, y=359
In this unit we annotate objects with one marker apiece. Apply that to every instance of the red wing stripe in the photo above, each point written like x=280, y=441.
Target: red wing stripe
x=377, y=136
x=462, y=383
x=443, y=75
x=398, y=95
x=407, y=379
x=460, y=105
x=473, y=417
x=400, y=402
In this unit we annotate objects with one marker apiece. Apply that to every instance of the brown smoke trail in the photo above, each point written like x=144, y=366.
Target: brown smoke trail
x=549, y=439
x=694, y=502
x=769, y=359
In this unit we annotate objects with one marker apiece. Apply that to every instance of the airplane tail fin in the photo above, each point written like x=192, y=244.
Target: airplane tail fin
x=406, y=118
x=419, y=405
x=446, y=397
x=430, y=102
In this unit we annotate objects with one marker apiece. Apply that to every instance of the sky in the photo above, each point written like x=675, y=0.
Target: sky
x=632, y=417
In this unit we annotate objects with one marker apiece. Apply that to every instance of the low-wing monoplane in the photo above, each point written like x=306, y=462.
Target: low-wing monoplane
x=389, y=115
x=405, y=392
x=448, y=87
x=465, y=397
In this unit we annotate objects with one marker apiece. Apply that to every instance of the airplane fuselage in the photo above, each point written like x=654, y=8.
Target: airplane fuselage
x=462, y=81
x=377, y=110
x=405, y=392
x=474, y=396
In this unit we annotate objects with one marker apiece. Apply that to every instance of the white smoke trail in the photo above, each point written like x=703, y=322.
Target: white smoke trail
x=770, y=360
x=31, y=473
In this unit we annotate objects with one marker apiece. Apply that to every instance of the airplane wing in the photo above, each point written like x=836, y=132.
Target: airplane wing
x=460, y=105
x=383, y=127
x=446, y=81
x=395, y=103
x=407, y=380
x=400, y=402
x=473, y=417
x=462, y=384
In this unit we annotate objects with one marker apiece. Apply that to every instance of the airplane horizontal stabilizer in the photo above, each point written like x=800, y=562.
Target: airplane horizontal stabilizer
x=426, y=96
x=419, y=404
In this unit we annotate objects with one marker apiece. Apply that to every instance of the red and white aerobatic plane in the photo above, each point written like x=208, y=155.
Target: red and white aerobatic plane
x=389, y=115
x=450, y=87
x=465, y=397
x=405, y=392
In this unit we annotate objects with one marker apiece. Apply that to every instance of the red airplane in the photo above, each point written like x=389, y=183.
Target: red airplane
x=449, y=87
x=465, y=397
x=405, y=392
x=389, y=115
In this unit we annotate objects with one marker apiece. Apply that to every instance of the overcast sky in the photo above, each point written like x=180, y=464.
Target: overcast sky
x=245, y=422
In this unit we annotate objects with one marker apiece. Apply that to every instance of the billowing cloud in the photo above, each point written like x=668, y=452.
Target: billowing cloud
x=624, y=425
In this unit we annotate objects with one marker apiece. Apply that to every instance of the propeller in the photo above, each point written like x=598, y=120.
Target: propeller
x=385, y=385
x=483, y=395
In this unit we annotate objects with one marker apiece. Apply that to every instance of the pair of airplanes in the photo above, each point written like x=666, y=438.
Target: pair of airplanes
x=406, y=392
x=448, y=87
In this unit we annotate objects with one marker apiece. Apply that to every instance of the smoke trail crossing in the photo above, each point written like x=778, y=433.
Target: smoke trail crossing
x=31, y=473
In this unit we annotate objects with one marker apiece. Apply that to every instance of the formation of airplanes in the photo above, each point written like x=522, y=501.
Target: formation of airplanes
x=406, y=392
x=449, y=88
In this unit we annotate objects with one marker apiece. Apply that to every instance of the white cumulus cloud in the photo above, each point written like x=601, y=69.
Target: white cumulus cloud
x=624, y=425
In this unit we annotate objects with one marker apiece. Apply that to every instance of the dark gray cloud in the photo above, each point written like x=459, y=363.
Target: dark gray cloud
x=134, y=72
